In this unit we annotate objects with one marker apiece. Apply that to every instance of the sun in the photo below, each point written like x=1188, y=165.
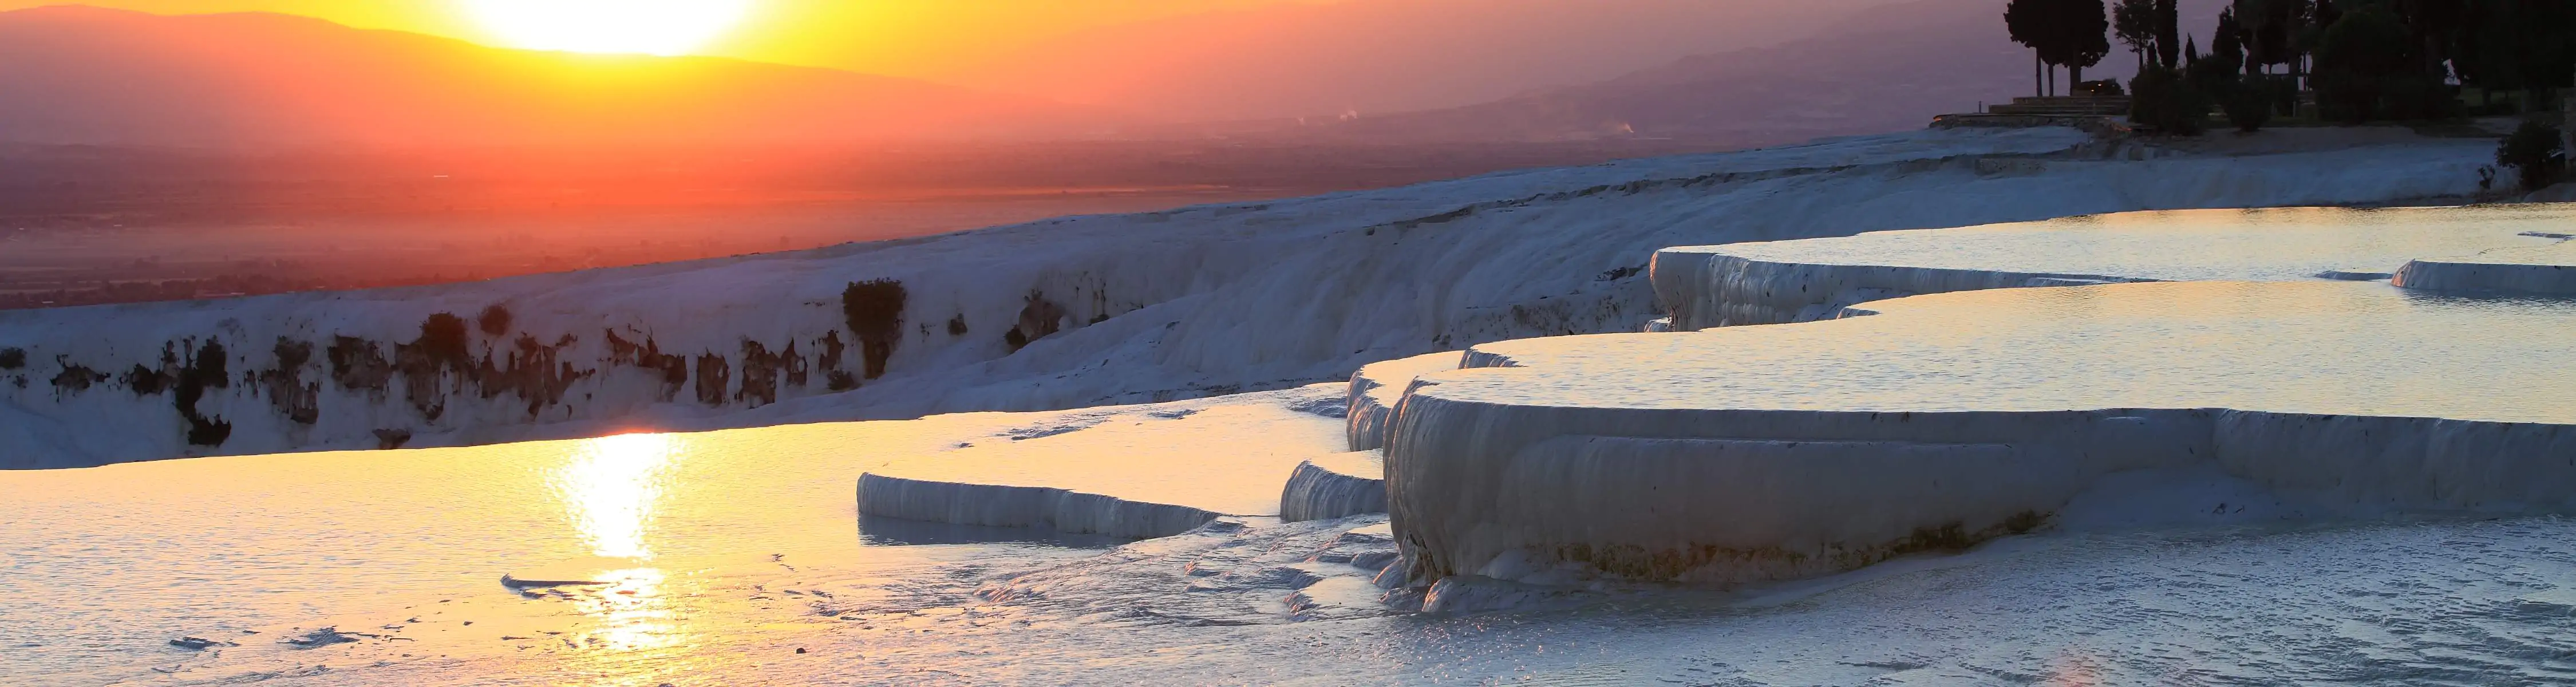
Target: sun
x=653, y=27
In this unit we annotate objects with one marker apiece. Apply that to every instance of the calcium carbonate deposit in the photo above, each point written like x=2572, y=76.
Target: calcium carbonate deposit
x=2209, y=447
x=1805, y=280
x=1933, y=422
x=1065, y=313
x=1749, y=453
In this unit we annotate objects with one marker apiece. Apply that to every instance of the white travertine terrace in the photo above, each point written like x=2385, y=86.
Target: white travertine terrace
x=1811, y=279
x=1072, y=312
x=1376, y=387
x=1335, y=486
x=1139, y=471
x=1766, y=452
x=2548, y=270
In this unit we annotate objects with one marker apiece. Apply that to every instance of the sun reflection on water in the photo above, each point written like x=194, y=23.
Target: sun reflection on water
x=633, y=614
x=608, y=491
x=611, y=490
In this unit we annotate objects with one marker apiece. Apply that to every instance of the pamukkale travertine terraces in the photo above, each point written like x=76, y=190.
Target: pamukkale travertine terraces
x=1834, y=419
x=1653, y=368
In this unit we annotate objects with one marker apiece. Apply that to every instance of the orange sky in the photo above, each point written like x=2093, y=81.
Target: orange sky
x=892, y=37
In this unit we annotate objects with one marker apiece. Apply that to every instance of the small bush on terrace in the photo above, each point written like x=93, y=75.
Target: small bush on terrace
x=2536, y=152
x=495, y=320
x=2162, y=99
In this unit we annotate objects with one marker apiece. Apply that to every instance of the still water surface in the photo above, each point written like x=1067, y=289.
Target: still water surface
x=99, y=567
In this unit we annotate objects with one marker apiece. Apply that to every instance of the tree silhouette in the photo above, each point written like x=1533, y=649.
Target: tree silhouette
x=2229, y=43
x=2134, y=22
x=2358, y=60
x=2168, y=21
x=2070, y=33
x=2272, y=31
x=2027, y=21
x=2433, y=23
x=2082, y=40
x=2503, y=45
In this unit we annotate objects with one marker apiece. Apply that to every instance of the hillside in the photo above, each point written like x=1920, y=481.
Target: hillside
x=1886, y=68
x=1879, y=68
x=79, y=75
x=1317, y=59
x=1064, y=313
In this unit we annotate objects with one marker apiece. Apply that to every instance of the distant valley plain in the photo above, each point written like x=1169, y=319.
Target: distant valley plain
x=86, y=225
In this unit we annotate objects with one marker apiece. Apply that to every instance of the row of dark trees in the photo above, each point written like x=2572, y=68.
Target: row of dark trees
x=2060, y=33
x=2363, y=59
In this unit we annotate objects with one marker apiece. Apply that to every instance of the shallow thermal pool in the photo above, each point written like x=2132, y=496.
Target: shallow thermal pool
x=687, y=545
x=2271, y=244
x=2360, y=348
x=113, y=561
x=103, y=565
x=730, y=551
x=736, y=557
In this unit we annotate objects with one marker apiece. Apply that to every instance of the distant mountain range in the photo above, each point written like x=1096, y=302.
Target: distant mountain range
x=1324, y=59
x=1883, y=68
x=72, y=74
x=1880, y=68
x=1376, y=72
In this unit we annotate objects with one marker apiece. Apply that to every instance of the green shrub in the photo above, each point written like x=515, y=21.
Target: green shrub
x=2368, y=67
x=2416, y=97
x=874, y=311
x=2162, y=99
x=495, y=320
x=2346, y=97
x=2249, y=104
x=442, y=337
x=2535, y=151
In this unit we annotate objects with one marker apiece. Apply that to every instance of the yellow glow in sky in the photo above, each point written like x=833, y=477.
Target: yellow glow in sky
x=916, y=38
x=656, y=27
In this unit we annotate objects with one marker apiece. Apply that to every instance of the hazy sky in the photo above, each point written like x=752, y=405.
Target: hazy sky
x=894, y=37
x=1191, y=59
x=1201, y=60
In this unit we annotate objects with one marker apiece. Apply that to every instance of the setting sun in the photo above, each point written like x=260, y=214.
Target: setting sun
x=657, y=27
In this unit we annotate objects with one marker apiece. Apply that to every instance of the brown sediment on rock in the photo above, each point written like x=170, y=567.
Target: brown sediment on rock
x=533, y=370
x=74, y=378
x=673, y=369
x=358, y=365
x=202, y=368
x=1038, y=319
x=428, y=363
x=762, y=372
x=714, y=376
x=298, y=400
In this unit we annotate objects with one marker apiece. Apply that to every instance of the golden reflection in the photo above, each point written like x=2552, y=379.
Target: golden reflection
x=608, y=491
x=633, y=613
x=2075, y=668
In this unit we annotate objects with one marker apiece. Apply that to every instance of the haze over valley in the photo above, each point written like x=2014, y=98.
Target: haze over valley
x=133, y=139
